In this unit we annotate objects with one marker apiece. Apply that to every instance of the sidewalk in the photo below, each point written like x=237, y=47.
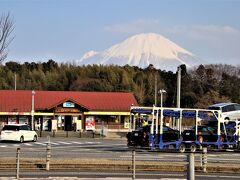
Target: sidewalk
x=83, y=134
x=76, y=178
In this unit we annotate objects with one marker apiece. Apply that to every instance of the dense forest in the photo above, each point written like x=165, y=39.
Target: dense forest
x=200, y=87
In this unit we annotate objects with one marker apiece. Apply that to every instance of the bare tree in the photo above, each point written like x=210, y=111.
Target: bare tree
x=6, y=28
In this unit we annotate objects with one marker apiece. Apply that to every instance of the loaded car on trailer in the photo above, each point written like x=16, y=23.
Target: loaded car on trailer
x=154, y=135
x=212, y=135
x=210, y=129
x=140, y=136
x=221, y=132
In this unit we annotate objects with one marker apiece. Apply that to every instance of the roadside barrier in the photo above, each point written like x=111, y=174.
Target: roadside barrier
x=17, y=162
x=204, y=159
x=48, y=154
x=132, y=163
x=191, y=167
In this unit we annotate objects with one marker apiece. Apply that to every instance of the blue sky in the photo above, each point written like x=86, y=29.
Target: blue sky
x=63, y=30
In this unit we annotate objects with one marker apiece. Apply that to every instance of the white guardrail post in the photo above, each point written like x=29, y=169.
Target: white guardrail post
x=48, y=153
x=18, y=163
x=191, y=167
x=133, y=163
x=204, y=160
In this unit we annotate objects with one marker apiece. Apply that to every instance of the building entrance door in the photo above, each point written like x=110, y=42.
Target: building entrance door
x=68, y=123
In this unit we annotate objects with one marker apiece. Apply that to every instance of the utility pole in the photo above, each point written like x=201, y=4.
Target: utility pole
x=15, y=81
x=32, y=112
x=161, y=91
x=178, y=86
x=155, y=104
x=179, y=95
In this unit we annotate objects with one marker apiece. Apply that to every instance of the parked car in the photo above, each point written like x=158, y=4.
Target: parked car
x=230, y=111
x=18, y=132
x=140, y=136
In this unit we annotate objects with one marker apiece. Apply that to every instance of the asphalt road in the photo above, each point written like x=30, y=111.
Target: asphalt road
x=101, y=148
x=63, y=142
x=109, y=149
x=66, y=147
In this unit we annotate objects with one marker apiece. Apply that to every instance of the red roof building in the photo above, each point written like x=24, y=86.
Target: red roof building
x=65, y=107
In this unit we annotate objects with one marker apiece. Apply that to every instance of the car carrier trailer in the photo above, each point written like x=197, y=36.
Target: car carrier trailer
x=221, y=138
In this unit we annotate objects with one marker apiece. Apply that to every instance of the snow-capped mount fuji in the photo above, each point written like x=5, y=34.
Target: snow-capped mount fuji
x=141, y=50
x=88, y=55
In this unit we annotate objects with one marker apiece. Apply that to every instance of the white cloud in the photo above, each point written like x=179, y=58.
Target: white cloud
x=204, y=32
x=211, y=41
x=197, y=32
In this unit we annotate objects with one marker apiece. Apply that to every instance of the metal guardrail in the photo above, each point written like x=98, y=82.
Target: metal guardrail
x=132, y=161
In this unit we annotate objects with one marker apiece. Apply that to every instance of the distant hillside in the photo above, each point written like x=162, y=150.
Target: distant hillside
x=201, y=87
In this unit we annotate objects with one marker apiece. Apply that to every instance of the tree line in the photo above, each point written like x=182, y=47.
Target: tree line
x=6, y=29
x=200, y=87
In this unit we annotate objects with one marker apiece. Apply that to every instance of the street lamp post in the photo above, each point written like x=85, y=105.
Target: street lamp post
x=32, y=112
x=161, y=91
x=178, y=86
x=179, y=95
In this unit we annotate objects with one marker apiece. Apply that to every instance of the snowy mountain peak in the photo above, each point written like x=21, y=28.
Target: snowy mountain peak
x=150, y=44
x=142, y=50
x=88, y=54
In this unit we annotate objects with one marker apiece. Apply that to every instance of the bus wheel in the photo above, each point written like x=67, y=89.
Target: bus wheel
x=182, y=148
x=193, y=147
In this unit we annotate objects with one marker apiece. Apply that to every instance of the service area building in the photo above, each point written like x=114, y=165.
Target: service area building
x=66, y=110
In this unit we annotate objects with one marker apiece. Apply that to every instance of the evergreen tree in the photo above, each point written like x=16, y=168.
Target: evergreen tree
x=199, y=88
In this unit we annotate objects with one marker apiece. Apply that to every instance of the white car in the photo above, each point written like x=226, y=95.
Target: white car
x=230, y=111
x=18, y=132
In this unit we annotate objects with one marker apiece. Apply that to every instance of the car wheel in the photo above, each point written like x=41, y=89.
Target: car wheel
x=182, y=148
x=129, y=144
x=21, y=139
x=35, y=138
x=193, y=147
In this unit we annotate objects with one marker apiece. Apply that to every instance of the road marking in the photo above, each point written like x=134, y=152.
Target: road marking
x=54, y=143
x=89, y=142
x=3, y=146
x=27, y=144
x=75, y=142
x=79, y=150
x=43, y=144
x=61, y=142
x=81, y=146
